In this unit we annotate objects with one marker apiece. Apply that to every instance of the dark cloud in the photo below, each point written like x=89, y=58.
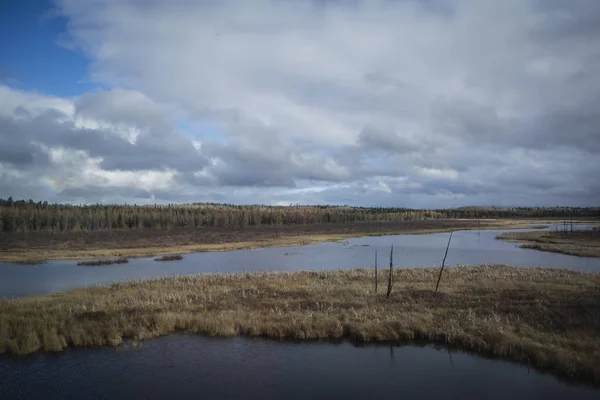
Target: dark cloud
x=382, y=80
x=156, y=146
x=156, y=142
x=16, y=145
x=568, y=20
x=267, y=162
x=374, y=138
x=575, y=125
x=472, y=122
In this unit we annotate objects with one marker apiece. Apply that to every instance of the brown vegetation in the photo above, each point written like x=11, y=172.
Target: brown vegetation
x=584, y=243
x=547, y=318
x=150, y=242
x=96, y=263
x=31, y=262
x=169, y=258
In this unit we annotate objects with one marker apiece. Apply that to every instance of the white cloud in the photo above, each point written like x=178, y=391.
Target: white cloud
x=416, y=103
x=437, y=173
x=14, y=102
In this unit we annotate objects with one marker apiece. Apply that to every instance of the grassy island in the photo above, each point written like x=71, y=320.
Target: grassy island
x=547, y=318
x=584, y=243
x=77, y=245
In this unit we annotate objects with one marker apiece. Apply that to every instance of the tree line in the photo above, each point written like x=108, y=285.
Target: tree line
x=28, y=216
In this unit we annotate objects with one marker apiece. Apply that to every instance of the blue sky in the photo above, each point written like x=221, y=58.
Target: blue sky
x=30, y=56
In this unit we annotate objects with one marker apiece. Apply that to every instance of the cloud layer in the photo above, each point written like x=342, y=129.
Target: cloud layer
x=409, y=103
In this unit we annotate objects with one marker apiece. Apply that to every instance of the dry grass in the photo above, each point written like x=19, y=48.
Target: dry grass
x=96, y=263
x=151, y=242
x=547, y=318
x=169, y=258
x=577, y=243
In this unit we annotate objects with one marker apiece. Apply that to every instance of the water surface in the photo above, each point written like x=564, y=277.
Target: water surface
x=468, y=248
x=195, y=367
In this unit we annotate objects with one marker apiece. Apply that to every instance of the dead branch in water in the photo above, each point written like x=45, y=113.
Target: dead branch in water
x=443, y=262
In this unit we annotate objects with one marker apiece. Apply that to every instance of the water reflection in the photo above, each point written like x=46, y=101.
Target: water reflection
x=450, y=357
x=192, y=367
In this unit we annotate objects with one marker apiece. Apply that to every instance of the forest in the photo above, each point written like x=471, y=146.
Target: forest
x=30, y=216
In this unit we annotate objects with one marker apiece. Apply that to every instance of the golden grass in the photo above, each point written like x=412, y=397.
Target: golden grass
x=239, y=240
x=548, y=318
x=577, y=243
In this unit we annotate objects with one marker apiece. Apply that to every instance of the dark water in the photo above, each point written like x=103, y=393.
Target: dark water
x=195, y=367
x=468, y=248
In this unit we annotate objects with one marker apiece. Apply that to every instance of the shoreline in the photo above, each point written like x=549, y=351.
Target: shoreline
x=545, y=318
x=32, y=254
x=575, y=243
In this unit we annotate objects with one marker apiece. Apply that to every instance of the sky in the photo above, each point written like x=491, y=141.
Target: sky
x=406, y=103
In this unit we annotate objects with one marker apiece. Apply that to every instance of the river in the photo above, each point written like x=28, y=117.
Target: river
x=467, y=248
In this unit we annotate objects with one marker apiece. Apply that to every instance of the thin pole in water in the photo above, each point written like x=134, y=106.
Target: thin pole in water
x=443, y=262
x=375, y=271
x=389, y=291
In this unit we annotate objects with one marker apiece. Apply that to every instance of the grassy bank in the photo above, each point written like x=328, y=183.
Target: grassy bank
x=547, y=318
x=576, y=243
x=16, y=247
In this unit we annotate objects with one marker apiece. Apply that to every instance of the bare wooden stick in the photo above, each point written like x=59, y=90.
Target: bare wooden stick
x=444, y=262
x=389, y=291
x=571, y=224
x=376, y=272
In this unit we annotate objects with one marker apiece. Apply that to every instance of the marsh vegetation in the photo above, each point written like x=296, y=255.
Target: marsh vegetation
x=31, y=262
x=96, y=244
x=547, y=318
x=582, y=243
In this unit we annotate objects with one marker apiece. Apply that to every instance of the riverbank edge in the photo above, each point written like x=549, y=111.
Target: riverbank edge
x=516, y=335
x=578, y=249
x=36, y=256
